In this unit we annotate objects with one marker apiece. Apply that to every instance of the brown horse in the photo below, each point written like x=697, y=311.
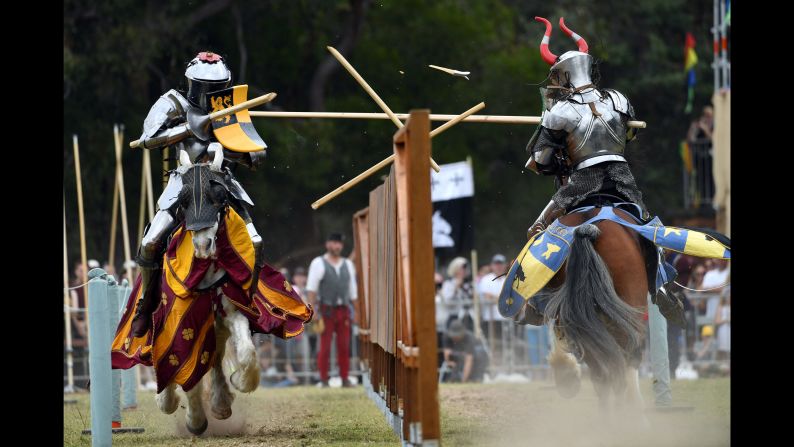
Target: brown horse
x=597, y=301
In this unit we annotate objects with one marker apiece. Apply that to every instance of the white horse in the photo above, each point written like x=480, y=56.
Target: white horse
x=234, y=328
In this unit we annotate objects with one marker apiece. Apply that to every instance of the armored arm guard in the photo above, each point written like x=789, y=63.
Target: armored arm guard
x=165, y=124
x=547, y=146
x=249, y=159
x=622, y=105
x=544, y=149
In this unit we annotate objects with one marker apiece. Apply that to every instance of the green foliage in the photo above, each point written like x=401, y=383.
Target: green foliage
x=120, y=56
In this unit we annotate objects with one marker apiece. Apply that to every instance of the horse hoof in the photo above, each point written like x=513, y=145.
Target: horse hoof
x=568, y=385
x=168, y=403
x=221, y=413
x=198, y=431
x=242, y=383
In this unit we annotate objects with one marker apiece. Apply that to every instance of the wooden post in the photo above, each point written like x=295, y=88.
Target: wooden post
x=81, y=217
x=394, y=257
x=412, y=171
x=476, y=295
x=118, y=133
x=113, y=220
x=67, y=306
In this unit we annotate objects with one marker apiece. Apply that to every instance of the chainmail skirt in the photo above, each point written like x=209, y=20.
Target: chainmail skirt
x=587, y=181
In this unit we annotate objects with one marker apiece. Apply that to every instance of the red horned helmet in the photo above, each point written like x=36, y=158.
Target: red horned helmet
x=549, y=57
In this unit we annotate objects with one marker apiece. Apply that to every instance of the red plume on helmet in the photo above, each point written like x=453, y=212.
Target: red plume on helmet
x=549, y=57
x=576, y=38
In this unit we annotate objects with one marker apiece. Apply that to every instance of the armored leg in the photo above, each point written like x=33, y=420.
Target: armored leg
x=670, y=306
x=259, y=259
x=149, y=257
x=547, y=216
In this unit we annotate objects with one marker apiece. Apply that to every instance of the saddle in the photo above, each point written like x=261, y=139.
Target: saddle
x=609, y=196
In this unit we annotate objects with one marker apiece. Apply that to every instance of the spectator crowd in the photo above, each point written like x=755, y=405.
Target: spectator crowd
x=473, y=337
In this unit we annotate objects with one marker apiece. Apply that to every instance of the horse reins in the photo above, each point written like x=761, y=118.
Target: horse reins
x=702, y=290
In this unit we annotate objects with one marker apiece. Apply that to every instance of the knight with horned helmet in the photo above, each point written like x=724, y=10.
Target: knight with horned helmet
x=581, y=140
x=582, y=134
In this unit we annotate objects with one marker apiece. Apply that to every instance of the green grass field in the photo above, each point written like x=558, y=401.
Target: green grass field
x=499, y=414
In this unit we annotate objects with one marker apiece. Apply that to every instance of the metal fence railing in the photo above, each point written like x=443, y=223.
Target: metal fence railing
x=699, y=182
x=512, y=349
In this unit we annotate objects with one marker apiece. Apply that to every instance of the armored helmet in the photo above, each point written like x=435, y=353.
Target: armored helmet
x=206, y=73
x=573, y=68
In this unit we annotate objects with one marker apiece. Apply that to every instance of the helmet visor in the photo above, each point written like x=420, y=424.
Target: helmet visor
x=197, y=91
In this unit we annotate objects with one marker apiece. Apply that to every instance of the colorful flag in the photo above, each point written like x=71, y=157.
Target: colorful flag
x=727, y=12
x=686, y=156
x=690, y=60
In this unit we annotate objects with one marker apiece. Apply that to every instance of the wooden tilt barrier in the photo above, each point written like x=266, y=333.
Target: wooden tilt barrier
x=394, y=258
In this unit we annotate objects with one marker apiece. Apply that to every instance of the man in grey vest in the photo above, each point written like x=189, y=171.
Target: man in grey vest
x=331, y=287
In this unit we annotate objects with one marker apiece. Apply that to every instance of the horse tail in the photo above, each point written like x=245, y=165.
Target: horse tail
x=591, y=314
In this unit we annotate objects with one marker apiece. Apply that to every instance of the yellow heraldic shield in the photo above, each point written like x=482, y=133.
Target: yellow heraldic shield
x=235, y=132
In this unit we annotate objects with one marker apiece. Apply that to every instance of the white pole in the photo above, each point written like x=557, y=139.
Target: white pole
x=147, y=166
x=497, y=119
x=715, y=45
x=723, y=45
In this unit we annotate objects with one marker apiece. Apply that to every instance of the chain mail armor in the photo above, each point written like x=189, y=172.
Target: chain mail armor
x=588, y=181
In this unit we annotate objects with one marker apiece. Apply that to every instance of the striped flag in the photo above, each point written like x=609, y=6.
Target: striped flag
x=727, y=19
x=690, y=60
x=686, y=156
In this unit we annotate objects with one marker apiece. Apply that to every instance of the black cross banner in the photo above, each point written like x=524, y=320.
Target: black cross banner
x=451, y=191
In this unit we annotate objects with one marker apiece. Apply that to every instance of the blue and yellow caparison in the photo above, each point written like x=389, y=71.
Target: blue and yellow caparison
x=544, y=254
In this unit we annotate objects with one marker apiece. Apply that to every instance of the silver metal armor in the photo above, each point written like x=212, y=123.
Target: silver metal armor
x=595, y=127
x=592, y=122
x=169, y=124
x=166, y=125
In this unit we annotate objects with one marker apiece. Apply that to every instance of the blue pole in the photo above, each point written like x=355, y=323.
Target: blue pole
x=115, y=293
x=129, y=378
x=99, y=358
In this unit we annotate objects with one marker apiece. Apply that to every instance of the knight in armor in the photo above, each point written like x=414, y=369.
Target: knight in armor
x=172, y=122
x=582, y=139
x=582, y=134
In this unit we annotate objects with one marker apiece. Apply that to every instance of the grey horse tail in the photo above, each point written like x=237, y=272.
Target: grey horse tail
x=592, y=315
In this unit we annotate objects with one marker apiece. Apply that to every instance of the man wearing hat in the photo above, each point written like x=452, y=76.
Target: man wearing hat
x=331, y=287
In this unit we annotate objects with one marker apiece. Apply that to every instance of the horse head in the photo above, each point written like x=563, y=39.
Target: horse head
x=203, y=198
